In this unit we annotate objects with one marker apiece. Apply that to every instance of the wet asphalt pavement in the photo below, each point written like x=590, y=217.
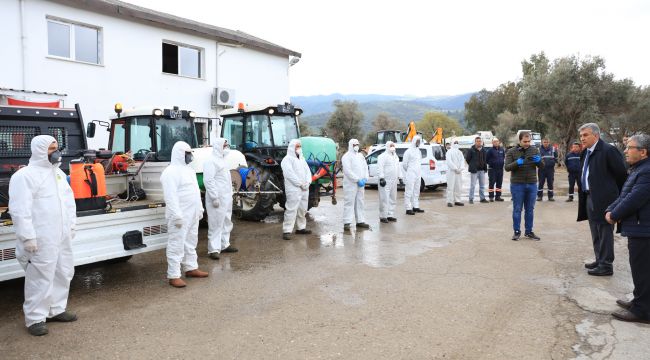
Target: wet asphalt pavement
x=448, y=283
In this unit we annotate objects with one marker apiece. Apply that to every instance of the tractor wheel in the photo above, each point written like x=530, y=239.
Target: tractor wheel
x=255, y=207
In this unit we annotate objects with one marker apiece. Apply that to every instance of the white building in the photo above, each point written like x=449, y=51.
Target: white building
x=100, y=52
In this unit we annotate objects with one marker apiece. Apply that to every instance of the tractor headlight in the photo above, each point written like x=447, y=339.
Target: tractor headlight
x=191, y=114
x=157, y=112
x=271, y=111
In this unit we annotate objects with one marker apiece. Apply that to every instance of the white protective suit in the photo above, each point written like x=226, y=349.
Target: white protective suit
x=183, y=210
x=412, y=165
x=389, y=169
x=43, y=210
x=218, y=190
x=297, y=177
x=354, y=169
x=456, y=164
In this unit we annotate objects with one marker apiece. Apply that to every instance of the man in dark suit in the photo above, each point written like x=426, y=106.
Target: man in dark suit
x=603, y=175
x=632, y=211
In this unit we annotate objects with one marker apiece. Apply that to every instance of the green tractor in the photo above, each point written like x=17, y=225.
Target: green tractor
x=262, y=134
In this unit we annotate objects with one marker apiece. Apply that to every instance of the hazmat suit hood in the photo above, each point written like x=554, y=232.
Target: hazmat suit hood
x=351, y=144
x=388, y=144
x=178, y=153
x=217, y=148
x=291, y=148
x=40, y=145
x=415, y=139
x=454, y=146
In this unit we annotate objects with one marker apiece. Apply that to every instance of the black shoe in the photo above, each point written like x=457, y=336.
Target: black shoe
x=551, y=199
x=570, y=199
x=450, y=205
x=516, y=236
x=410, y=212
x=498, y=199
x=624, y=304
x=471, y=201
x=392, y=219
x=491, y=200
x=459, y=204
x=214, y=256
x=418, y=210
x=539, y=199
x=600, y=271
x=531, y=235
x=65, y=316
x=303, y=232
x=484, y=201
x=591, y=265
x=626, y=315
x=286, y=236
x=363, y=226
x=346, y=227
x=38, y=329
x=232, y=249
x=384, y=220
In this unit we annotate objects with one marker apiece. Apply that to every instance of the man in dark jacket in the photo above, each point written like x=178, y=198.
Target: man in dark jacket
x=632, y=211
x=477, y=166
x=495, y=158
x=603, y=174
x=572, y=162
x=547, y=172
x=523, y=161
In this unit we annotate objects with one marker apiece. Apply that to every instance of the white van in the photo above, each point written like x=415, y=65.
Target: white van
x=434, y=164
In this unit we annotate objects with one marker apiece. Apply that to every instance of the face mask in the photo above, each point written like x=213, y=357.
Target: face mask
x=356, y=148
x=391, y=149
x=188, y=157
x=299, y=152
x=55, y=157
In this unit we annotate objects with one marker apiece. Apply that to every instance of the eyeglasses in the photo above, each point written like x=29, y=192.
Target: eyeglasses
x=633, y=147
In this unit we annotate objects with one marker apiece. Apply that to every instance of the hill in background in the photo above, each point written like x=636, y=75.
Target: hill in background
x=317, y=109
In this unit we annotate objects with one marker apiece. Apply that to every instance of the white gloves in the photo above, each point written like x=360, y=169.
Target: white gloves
x=304, y=186
x=73, y=233
x=30, y=245
x=201, y=213
x=458, y=171
x=215, y=203
x=178, y=223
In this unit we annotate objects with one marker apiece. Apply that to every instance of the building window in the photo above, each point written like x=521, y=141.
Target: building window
x=181, y=60
x=73, y=41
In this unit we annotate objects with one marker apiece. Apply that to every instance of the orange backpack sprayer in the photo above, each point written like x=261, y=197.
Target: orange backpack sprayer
x=88, y=184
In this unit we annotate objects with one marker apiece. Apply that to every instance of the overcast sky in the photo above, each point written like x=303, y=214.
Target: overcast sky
x=409, y=47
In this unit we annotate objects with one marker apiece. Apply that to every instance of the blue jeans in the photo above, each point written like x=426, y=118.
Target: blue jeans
x=523, y=196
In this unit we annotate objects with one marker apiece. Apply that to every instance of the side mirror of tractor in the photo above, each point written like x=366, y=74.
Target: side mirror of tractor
x=90, y=129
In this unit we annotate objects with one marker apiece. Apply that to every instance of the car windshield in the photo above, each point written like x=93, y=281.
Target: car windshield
x=169, y=131
x=284, y=129
x=400, y=153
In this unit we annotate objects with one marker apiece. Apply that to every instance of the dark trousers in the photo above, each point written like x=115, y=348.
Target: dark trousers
x=602, y=236
x=545, y=174
x=640, y=264
x=574, y=179
x=495, y=180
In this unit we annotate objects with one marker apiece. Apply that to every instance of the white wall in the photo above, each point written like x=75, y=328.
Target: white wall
x=131, y=70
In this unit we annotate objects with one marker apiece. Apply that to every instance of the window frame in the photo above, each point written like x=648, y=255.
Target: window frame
x=72, y=40
x=201, y=65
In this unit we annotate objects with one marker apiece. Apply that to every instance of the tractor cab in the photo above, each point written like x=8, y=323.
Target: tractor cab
x=262, y=132
x=144, y=130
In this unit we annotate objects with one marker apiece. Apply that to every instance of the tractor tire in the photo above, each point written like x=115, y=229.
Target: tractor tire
x=263, y=204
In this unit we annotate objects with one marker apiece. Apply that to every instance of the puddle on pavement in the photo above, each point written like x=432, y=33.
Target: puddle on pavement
x=90, y=280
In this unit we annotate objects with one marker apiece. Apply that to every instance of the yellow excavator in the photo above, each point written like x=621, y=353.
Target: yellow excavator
x=411, y=132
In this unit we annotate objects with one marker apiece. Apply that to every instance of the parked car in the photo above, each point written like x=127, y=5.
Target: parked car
x=434, y=165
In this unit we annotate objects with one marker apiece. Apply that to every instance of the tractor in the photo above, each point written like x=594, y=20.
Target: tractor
x=262, y=134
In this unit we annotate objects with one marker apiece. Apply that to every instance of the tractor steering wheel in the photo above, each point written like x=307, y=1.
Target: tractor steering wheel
x=141, y=154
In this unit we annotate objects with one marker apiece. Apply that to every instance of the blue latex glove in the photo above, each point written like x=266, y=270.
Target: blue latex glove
x=361, y=183
x=520, y=161
x=536, y=159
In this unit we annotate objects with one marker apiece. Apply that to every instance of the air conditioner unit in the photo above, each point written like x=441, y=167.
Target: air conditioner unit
x=223, y=97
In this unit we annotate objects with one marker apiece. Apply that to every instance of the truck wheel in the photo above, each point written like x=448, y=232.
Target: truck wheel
x=255, y=207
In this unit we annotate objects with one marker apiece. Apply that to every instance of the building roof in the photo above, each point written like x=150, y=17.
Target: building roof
x=130, y=12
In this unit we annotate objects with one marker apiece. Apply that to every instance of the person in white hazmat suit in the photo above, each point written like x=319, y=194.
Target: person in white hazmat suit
x=43, y=211
x=389, y=171
x=297, y=177
x=355, y=175
x=218, y=199
x=456, y=164
x=183, y=210
x=412, y=165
